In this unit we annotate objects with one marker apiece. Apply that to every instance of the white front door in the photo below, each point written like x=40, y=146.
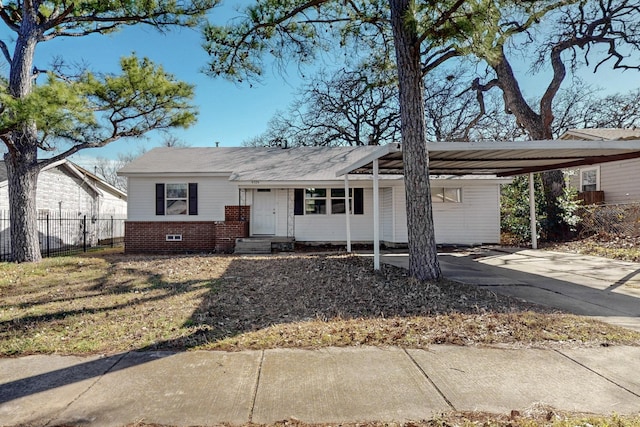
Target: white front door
x=264, y=212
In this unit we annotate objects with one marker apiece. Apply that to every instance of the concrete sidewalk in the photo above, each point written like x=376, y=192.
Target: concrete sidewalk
x=322, y=386
x=606, y=289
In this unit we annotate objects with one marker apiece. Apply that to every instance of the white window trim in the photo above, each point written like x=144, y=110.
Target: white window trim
x=443, y=201
x=167, y=199
x=583, y=170
x=328, y=198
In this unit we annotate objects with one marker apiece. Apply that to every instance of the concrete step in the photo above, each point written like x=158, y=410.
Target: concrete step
x=252, y=246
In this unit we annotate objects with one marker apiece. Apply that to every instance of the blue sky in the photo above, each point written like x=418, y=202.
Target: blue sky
x=230, y=113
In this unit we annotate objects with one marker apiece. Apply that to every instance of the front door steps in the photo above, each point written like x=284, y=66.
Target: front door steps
x=263, y=244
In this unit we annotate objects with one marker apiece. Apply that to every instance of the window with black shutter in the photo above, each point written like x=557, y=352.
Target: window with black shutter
x=298, y=202
x=159, y=199
x=177, y=199
x=193, y=198
x=358, y=201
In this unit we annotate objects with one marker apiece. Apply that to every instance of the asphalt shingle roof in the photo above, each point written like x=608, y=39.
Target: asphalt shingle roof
x=604, y=134
x=250, y=163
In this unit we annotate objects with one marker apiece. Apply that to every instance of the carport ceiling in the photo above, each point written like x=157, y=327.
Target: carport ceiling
x=501, y=159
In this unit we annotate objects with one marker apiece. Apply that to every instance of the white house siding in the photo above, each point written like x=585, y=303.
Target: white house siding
x=332, y=228
x=110, y=204
x=475, y=220
x=619, y=181
x=57, y=190
x=387, y=217
x=4, y=197
x=214, y=193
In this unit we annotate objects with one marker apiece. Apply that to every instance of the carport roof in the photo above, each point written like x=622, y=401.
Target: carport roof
x=500, y=158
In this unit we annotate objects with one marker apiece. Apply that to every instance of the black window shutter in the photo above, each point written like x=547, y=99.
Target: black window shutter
x=298, y=202
x=358, y=201
x=193, y=198
x=159, y=199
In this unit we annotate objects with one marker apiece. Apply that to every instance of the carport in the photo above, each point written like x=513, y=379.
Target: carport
x=500, y=159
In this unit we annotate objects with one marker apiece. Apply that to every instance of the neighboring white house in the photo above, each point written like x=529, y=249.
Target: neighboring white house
x=613, y=182
x=66, y=188
x=65, y=195
x=202, y=199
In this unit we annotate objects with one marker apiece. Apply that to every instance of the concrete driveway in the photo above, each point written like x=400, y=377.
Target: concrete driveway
x=591, y=286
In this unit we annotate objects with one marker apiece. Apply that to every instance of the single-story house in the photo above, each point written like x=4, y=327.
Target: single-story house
x=202, y=199
x=614, y=182
x=66, y=192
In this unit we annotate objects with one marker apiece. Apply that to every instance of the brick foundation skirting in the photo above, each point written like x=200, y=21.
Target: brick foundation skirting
x=181, y=237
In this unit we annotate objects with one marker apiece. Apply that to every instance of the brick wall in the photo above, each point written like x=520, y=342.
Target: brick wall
x=237, y=213
x=150, y=237
x=227, y=232
x=200, y=236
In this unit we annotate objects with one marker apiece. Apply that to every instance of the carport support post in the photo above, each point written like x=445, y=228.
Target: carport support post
x=376, y=218
x=347, y=210
x=532, y=212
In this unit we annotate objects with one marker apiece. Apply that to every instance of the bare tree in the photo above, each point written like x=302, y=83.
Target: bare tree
x=108, y=169
x=358, y=107
x=569, y=36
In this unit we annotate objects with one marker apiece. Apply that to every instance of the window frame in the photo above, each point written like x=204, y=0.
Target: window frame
x=356, y=201
x=441, y=197
x=168, y=199
x=163, y=199
x=312, y=194
x=583, y=171
x=341, y=198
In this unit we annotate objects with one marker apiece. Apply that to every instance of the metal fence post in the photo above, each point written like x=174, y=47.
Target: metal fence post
x=112, y=232
x=48, y=237
x=84, y=233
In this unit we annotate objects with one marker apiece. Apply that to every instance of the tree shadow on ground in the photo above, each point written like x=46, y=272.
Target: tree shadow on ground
x=258, y=292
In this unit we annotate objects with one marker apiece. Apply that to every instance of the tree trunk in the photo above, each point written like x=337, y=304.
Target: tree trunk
x=423, y=260
x=538, y=127
x=22, y=172
x=21, y=158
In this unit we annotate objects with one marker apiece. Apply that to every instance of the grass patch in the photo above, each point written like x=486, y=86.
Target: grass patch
x=537, y=416
x=624, y=248
x=107, y=303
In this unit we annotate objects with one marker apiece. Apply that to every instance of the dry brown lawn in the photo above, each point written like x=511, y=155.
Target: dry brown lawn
x=109, y=302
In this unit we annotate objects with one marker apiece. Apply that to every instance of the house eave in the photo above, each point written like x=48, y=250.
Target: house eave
x=156, y=174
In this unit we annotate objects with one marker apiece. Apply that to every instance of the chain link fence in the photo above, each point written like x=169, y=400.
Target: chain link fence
x=67, y=233
x=622, y=219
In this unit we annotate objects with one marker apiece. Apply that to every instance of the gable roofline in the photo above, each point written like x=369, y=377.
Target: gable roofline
x=602, y=134
x=100, y=181
x=79, y=172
